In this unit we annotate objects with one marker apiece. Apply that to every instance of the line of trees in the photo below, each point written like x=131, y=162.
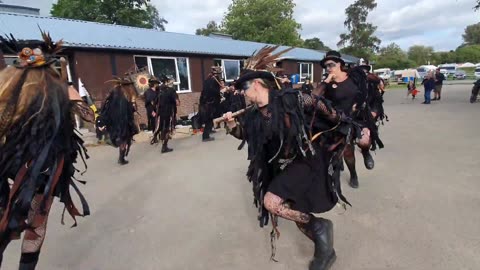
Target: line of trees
x=272, y=21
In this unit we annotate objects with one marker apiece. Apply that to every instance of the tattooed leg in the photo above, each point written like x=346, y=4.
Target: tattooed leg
x=277, y=206
x=33, y=238
x=365, y=142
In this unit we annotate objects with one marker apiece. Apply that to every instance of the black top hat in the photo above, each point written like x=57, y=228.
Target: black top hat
x=166, y=78
x=153, y=80
x=334, y=56
x=249, y=75
x=365, y=64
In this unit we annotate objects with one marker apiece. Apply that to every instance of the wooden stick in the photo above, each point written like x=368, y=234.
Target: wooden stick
x=63, y=66
x=219, y=120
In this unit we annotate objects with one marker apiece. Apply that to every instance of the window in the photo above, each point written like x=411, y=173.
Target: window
x=177, y=67
x=306, y=70
x=10, y=60
x=231, y=68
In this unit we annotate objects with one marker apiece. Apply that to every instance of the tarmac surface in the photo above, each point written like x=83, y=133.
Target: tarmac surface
x=192, y=209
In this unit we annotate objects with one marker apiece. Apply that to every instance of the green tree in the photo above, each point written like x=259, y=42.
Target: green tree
x=477, y=7
x=315, y=44
x=469, y=53
x=269, y=21
x=212, y=27
x=393, y=57
x=138, y=13
x=360, y=39
x=445, y=57
x=472, y=34
x=421, y=55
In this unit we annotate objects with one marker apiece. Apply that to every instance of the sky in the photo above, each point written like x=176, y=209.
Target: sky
x=436, y=23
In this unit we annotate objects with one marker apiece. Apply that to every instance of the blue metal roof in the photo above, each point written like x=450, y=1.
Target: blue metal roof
x=85, y=34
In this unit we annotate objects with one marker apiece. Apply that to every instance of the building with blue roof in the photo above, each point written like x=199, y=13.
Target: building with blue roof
x=97, y=51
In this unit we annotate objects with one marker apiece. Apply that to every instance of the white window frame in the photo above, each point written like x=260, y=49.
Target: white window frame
x=310, y=71
x=177, y=75
x=224, y=70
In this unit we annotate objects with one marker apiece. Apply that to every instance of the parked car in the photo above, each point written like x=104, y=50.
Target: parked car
x=477, y=73
x=460, y=74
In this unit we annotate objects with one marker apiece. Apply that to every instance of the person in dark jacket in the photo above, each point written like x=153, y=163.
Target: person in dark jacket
x=307, y=87
x=210, y=101
x=429, y=84
x=150, y=97
x=166, y=113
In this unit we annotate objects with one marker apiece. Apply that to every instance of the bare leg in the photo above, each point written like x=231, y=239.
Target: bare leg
x=33, y=238
x=277, y=206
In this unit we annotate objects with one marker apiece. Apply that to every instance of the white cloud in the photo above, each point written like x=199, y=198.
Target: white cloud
x=437, y=23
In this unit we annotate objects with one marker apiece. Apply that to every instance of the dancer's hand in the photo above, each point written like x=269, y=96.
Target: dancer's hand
x=229, y=120
x=330, y=78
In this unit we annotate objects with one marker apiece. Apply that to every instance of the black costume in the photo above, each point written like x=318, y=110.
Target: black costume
x=307, y=87
x=39, y=146
x=166, y=109
x=209, y=104
x=117, y=116
x=283, y=162
x=150, y=97
x=475, y=90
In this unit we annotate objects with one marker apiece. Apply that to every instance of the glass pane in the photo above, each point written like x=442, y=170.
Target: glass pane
x=162, y=67
x=217, y=62
x=232, y=69
x=10, y=60
x=183, y=73
x=141, y=61
x=304, y=69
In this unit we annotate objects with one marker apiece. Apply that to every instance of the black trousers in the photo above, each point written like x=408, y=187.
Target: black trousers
x=151, y=121
x=208, y=129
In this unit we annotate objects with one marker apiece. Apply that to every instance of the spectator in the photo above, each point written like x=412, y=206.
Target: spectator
x=429, y=84
x=439, y=78
x=307, y=87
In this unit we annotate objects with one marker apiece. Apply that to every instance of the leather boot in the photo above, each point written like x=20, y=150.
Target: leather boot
x=165, y=148
x=368, y=159
x=353, y=173
x=28, y=261
x=121, y=158
x=322, y=232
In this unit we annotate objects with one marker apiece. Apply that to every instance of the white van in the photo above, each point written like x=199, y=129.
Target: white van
x=451, y=69
x=477, y=73
x=384, y=73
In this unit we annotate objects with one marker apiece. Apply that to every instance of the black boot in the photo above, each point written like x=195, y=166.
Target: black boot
x=368, y=159
x=165, y=148
x=121, y=158
x=322, y=231
x=353, y=173
x=28, y=261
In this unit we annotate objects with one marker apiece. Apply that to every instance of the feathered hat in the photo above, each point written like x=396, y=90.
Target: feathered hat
x=119, y=81
x=45, y=53
x=261, y=65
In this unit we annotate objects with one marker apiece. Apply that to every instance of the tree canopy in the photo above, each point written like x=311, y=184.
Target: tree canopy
x=472, y=34
x=315, y=44
x=421, y=55
x=212, y=27
x=360, y=40
x=393, y=57
x=268, y=21
x=138, y=13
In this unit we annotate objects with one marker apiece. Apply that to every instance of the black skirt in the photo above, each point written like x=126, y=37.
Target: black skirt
x=306, y=186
